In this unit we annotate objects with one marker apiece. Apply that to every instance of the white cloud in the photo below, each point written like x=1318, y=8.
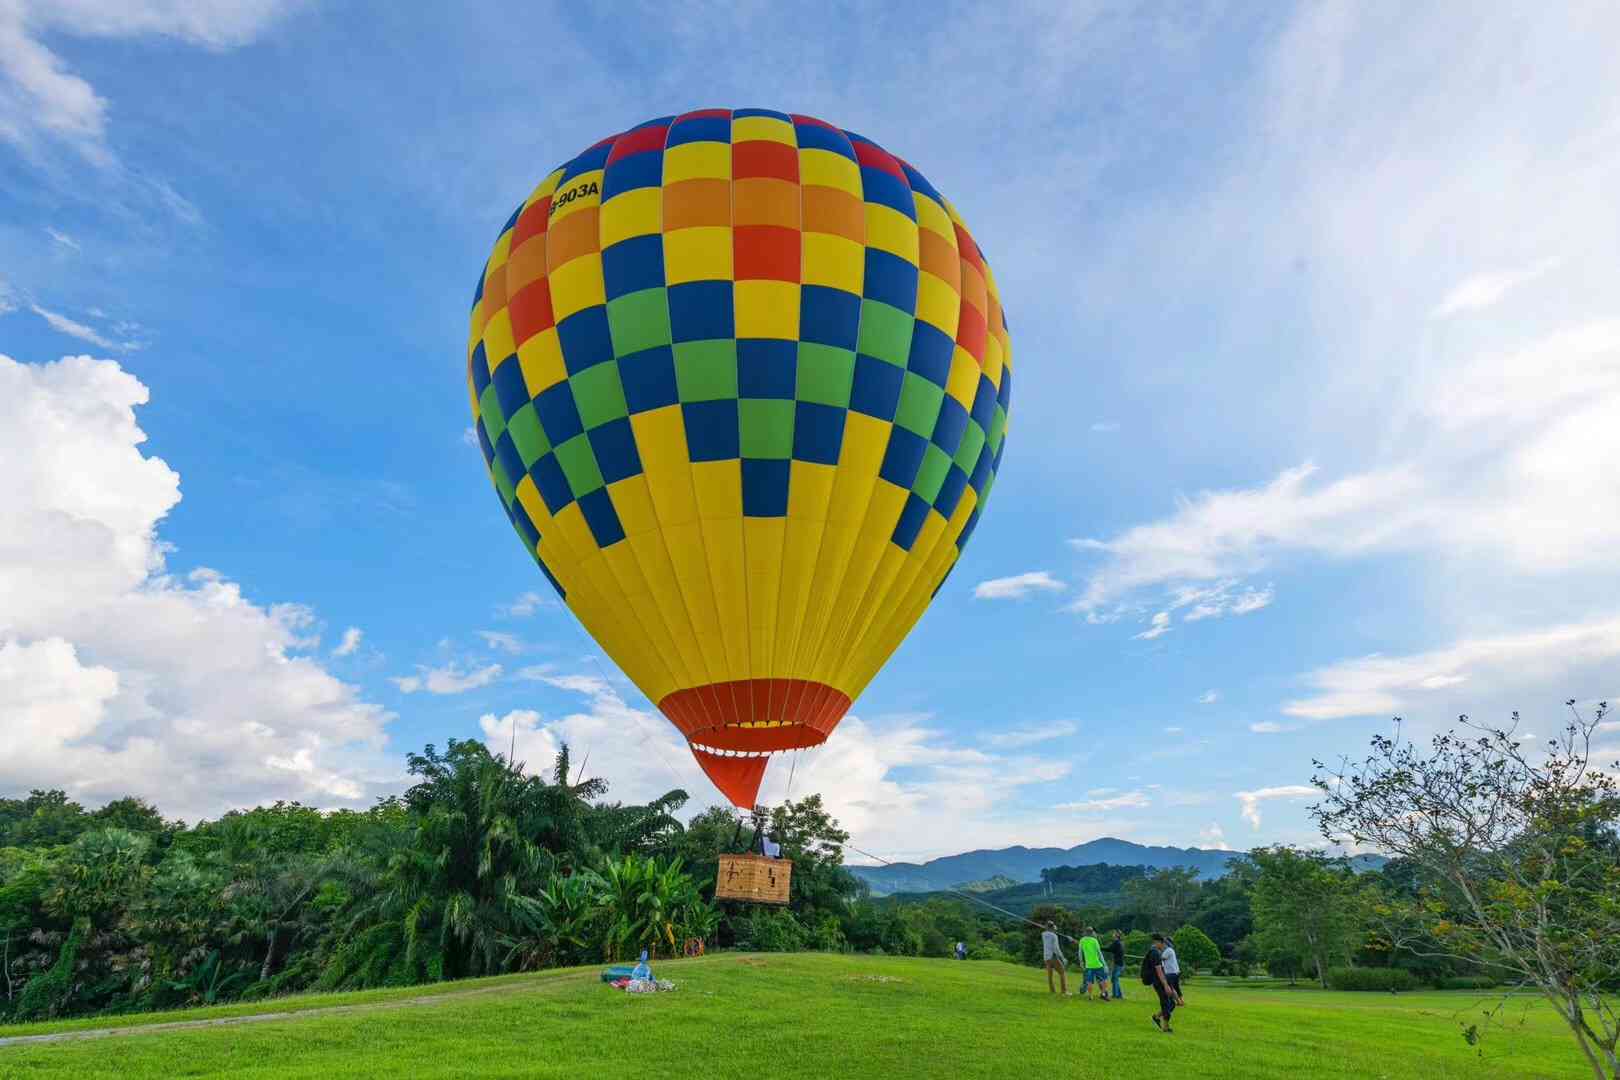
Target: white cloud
x=1017, y=587
x=1216, y=604
x=1251, y=800
x=449, y=679
x=64, y=325
x=1212, y=836
x=1269, y=727
x=41, y=98
x=1103, y=426
x=525, y=605
x=1483, y=290
x=1209, y=697
x=350, y=642
x=1159, y=627
x=1455, y=364
x=118, y=678
x=895, y=782
x=1384, y=685
x=1173, y=730
x=8, y=298
x=62, y=238
x=1029, y=736
x=1128, y=800
x=507, y=643
x=469, y=437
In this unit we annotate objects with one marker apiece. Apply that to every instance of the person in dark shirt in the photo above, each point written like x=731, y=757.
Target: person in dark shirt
x=1153, y=975
x=1116, y=961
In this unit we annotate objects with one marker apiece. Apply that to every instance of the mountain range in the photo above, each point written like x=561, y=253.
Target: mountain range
x=1022, y=864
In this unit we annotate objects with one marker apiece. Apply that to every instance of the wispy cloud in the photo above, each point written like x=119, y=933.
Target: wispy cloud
x=1251, y=800
x=1029, y=736
x=504, y=642
x=469, y=437
x=350, y=643
x=64, y=325
x=1382, y=685
x=1103, y=426
x=525, y=605
x=1269, y=727
x=41, y=98
x=450, y=679
x=1209, y=697
x=1485, y=290
x=1017, y=587
x=62, y=238
x=1129, y=800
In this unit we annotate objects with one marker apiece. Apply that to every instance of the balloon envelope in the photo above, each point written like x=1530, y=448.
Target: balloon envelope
x=741, y=379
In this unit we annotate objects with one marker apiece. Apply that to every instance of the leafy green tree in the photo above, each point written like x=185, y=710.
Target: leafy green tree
x=43, y=819
x=1165, y=896
x=642, y=901
x=557, y=927
x=1515, y=859
x=1194, y=949
x=1306, y=904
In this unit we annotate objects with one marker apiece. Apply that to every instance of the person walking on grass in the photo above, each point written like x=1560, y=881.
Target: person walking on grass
x=1091, y=955
x=1172, y=971
x=1153, y=975
x=1116, y=960
x=1052, y=953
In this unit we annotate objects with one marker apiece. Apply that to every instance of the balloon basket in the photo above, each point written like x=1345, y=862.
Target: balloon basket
x=755, y=879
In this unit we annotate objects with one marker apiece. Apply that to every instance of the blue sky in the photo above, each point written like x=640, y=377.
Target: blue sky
x=1314, y=310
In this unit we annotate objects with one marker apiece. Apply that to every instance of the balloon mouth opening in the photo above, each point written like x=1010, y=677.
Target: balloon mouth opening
x=734, y=727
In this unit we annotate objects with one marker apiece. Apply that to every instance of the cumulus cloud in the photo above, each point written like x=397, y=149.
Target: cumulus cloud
x=448, y=679
x=350, y=642
x=117, y=677
x=1158, y=627
x=1029, y=736
x=1251, y=800
x=891, y=780
x=42, y=98
x=1018, y=586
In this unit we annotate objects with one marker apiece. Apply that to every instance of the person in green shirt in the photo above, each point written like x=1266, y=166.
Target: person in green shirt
x=1091, y=956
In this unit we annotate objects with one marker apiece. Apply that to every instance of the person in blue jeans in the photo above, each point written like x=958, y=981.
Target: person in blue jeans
x=1116, y=961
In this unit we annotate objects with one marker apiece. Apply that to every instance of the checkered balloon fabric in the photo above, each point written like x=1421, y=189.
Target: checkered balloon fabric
x=741, y=379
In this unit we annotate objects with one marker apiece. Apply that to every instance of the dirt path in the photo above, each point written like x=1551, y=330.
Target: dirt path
x=540, y=984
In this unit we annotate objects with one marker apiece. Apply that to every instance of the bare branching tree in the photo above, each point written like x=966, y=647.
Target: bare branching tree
x=1518, y=854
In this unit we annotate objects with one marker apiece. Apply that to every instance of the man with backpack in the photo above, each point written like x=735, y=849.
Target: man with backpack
x=1153, y=975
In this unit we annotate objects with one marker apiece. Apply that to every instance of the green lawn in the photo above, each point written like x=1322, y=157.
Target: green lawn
x=818, y=1016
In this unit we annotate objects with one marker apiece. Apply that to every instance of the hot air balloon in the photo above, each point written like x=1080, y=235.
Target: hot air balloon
x=741, y=379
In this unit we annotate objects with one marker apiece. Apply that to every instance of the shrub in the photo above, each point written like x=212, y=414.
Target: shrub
x=1385, y=979
x=771, y=931
x=1195, y=950
x=991, y=952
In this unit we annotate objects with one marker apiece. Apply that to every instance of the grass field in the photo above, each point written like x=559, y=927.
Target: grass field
x=749, y=1017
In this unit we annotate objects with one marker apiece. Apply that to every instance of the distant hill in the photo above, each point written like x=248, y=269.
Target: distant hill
x=1022, y=864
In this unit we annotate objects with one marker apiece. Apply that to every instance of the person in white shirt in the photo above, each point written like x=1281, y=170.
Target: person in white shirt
x=1052, y=953
x=1172, y=971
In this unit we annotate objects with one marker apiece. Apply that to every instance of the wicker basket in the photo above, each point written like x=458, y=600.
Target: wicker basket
x=754, y=878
